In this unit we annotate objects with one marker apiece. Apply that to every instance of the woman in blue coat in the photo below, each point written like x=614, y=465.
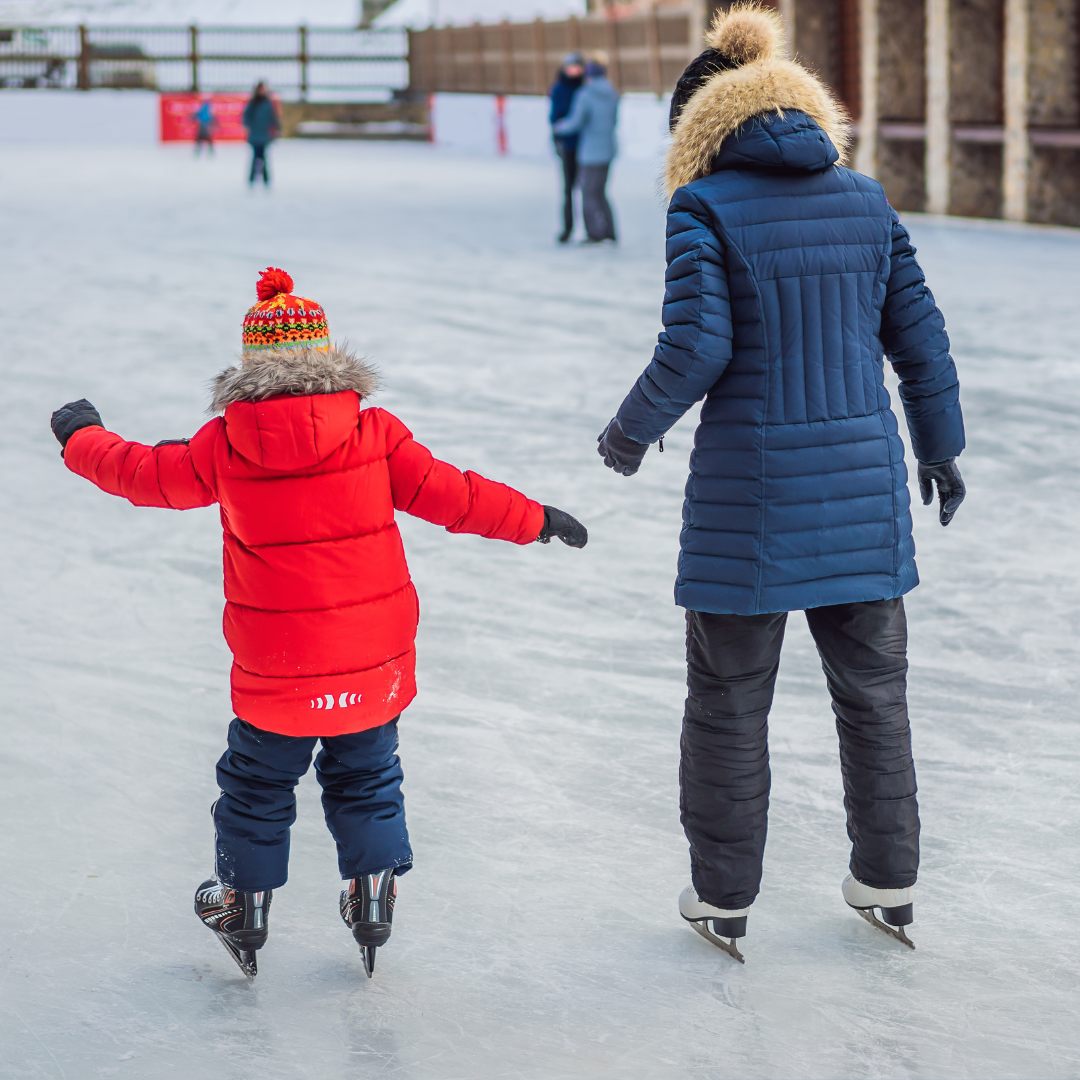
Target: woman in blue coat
x=789, y=277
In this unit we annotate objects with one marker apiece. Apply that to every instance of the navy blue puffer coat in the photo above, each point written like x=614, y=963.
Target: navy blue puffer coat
x=788, y=279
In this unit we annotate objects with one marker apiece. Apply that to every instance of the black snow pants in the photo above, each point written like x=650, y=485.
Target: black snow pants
x=568, y=157
x=259, y=163
x=732, y=661
x=595, y=208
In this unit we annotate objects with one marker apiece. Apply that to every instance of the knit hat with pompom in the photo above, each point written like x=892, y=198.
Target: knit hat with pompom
x=281, y=320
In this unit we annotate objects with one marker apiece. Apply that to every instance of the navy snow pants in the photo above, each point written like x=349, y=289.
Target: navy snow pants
x=732, y=661
x=361, y=779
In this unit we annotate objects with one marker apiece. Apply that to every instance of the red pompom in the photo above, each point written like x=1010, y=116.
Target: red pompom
x=271, y=282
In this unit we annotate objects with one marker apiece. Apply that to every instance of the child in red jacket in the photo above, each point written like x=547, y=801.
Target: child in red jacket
x=320, y=610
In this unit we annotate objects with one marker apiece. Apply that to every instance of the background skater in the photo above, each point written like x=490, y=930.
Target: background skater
x=205, y=125
x=593, y=117
x=561, y=96
x=788, y=276
x=263, y=127
x=320, y=612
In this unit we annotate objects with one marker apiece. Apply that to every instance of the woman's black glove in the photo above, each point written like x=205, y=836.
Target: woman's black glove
x=71, y=417
x=619, y=451
x=568, y=529
x=950, y=487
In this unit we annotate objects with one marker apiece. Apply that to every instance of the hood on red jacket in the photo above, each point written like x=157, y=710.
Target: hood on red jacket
x=292, y=408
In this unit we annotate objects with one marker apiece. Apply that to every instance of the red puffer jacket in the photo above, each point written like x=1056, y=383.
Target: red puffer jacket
x=320, y=610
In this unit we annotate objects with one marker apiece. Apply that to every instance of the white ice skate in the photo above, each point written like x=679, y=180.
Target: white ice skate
x=713, y=923
x=896, y=907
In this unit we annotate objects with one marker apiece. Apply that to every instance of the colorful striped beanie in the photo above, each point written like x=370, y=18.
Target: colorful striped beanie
x=283, y=321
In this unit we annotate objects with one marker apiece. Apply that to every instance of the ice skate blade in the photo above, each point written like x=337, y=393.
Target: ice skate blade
x=893, y=931
x=728, y=946
x=367, y=954
x=245, y=960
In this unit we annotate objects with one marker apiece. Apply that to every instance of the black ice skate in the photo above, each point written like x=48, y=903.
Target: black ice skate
x=239, y=919
x=367, y=906
x=713, y=923
x=896, y=906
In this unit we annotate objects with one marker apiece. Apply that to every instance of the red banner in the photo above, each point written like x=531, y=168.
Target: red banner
x=179, y=122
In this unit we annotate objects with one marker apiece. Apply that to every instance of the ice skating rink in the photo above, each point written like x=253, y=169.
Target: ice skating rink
x=538, y=935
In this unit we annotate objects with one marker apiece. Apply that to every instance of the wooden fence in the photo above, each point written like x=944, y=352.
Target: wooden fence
x=644, y=52
x=293, y=60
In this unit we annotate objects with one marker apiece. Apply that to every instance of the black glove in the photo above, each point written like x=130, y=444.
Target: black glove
x=950, y=487
x=71, y=417
x=568, y=529
x=619, y=451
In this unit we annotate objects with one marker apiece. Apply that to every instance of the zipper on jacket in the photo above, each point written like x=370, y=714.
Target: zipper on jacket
x=661, y=444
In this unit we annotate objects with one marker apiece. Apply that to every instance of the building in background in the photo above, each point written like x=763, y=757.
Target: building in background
x=968, y=107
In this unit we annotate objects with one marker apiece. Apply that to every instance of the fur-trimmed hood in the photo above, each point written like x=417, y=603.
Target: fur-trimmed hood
x=299, y=372
x=766, y=83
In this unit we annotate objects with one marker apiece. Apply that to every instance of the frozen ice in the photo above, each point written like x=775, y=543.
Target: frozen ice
x=538, y=934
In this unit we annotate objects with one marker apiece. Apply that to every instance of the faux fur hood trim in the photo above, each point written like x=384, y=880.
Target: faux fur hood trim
x=301, y=371
x=768, y=84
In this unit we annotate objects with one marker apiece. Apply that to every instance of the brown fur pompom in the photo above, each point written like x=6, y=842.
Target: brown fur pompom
x=747, y=32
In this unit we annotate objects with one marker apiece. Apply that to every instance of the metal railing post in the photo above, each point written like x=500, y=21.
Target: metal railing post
x=193, y=32
x=303, y=62
x=83, y=81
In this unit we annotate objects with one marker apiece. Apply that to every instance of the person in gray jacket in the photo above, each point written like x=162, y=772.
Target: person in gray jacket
x=593, y=117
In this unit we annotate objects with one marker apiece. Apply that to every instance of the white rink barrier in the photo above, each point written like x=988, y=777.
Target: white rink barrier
x=68, y=116
x=518, y=125
x=471, y=123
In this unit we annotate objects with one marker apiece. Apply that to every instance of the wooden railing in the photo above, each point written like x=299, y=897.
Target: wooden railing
x=295, y=61
x=643, y=52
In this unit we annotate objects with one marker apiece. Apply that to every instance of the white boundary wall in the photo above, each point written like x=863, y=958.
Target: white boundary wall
x=470, y=123
x=464, y=122
x=68, y=116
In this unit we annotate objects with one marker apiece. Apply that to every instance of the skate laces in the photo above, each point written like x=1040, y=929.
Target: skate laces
x=213, y=892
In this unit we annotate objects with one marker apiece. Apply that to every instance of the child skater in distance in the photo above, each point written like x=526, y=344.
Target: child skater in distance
x=320, y=610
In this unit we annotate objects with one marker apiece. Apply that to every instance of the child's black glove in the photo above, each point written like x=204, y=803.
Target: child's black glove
x=71, y=417
x=568, y=529
x=950, y=486
x=619, y=451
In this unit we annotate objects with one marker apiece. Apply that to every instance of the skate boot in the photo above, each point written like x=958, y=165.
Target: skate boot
x=239, y=919
x=367, y=906
x=896, y=906
x=713, y=923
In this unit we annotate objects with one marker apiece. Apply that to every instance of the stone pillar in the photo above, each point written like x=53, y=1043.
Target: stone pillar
x=866, y=156
x=787, y=13
x=1017, y=149
x=938, y=134
x=700, y=20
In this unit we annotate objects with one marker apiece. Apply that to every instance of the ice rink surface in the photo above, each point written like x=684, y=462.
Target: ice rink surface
x=538, y=934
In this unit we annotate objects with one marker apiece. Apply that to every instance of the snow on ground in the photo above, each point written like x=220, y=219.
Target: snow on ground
x=538, y=935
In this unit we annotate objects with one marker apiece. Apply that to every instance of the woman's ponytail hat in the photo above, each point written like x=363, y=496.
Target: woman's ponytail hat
x=744, y=33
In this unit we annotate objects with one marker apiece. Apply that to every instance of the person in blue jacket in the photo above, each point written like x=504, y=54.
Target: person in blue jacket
x=263, y=126
x=789, y=277
x=593, y=117
x=561, y=96
x=205, y=123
